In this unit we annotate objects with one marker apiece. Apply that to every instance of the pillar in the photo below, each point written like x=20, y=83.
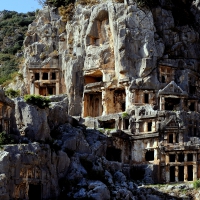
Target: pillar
x=162, y=103
x=57, y=88
x=145, y=127
x=185, y=173
x=194, y=172
x=182, y=104
x=40, y=76
x=176, y=174
x=167, y=174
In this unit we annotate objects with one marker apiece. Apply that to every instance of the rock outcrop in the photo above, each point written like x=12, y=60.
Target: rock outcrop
x=128, y=70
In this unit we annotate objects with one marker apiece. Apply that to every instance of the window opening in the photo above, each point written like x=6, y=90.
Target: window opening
x=149, y=156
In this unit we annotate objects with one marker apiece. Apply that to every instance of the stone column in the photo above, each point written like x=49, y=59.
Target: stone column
x=185, y=173
x=145, y=126
x=57, y=88
x=176, y=173
x=167, y=173
x=104, y=101
x=128, y=98
x=194, y=172
x=32, y=88
x=174, y=138
x=162, y=103
x=185, y=157
x=49, y=76
x=40, y=76
x=181, y=103
x=196, y=106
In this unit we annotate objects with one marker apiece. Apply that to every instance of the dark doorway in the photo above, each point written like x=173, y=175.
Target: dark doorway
x=113, y=154
x=181, y=173
x=192, y=89
x=45, y=76
x=172, y=157
x=192, y=106
x=37, y=76
x=123, y=106
x=126, y=124
x=190, y=173
x=50, y=90
x=110, y=124
x=149, y=126
x=180, y=157
x=170, y=138
x=149, y=156
x=195, y=132
x=137, y=173
x=53, y=76
x=189, y=157
x=172, y=174
x=34, y=192
x=146, y=98
x=171, y=103
x=163, y=79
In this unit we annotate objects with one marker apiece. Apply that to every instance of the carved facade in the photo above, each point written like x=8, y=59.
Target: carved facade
x=150, y=126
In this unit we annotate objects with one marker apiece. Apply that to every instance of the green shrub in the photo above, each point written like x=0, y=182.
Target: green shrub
x=124, y=115
x=196, y=184
x=37, y=100
x=12, y=93
x=6, y=139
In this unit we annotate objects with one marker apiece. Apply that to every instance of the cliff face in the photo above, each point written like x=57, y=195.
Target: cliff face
x=115, y=41
x=120, y=44
x=130, y=71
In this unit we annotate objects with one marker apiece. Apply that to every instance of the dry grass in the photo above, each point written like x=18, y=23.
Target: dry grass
x=66, y=12
x=87, y=2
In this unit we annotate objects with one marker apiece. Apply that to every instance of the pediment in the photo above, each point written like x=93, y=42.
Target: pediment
x=172, y=123
x=172, y=88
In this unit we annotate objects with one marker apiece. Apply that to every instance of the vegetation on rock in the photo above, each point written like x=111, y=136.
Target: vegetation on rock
x=12, y=93
x=41, y=102
x=196, y=184
x=6, y=139
x=13, y=27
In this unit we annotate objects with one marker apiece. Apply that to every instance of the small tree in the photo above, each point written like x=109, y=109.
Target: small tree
x=41, y=102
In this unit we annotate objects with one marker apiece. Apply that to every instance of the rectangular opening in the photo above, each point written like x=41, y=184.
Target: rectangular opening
x=192, y=106
x=93, y=104
x=53, y=76
x=42, y=91
x=195, y=131
x=149, y=156
x=180, y=157
x=126, y=124
x=172, y=157
x=192, y=89
x=50, y=90
x=171, y=103
x=189, y=157
x=45, y=76
x=170, y=138
x=149, y=126
x=110, y=124
x=120, y=100
x=190, y=172
x=146, y=98
x=163, y=79
x=137, y=173
x=113, y=154
x=97, y=76
x=172, y=173
x=181, y=173
x=34, y=192
x=37, y=76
